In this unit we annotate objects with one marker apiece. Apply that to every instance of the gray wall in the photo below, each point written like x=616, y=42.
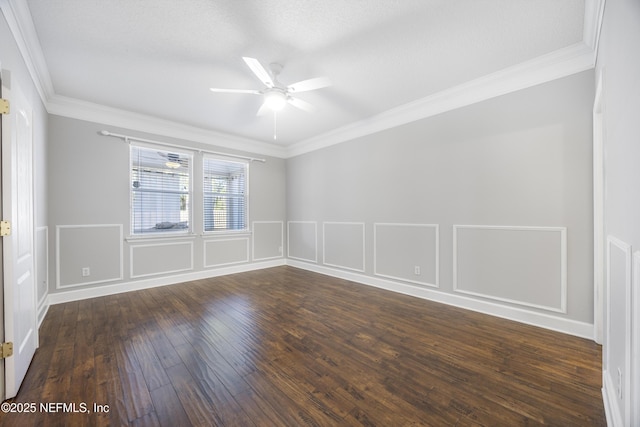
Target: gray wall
x=491, y=201
x=89, y=212
x=619, y=63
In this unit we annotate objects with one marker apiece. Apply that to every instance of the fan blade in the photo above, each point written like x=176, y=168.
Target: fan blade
x=255, y=92
x=259, y=71
x=264, y=109
x=310, y=84
x=303, y=105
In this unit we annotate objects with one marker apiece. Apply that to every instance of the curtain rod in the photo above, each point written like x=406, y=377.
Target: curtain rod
x=128, y=138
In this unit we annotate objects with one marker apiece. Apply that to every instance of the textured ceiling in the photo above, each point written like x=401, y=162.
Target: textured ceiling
x=160, y=57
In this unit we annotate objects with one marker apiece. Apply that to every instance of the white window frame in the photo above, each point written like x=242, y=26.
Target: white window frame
x=160, y=233
x=245, y=228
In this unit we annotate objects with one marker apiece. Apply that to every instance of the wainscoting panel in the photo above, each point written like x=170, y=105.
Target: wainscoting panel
x=96, y=247
x=343, y=245
x=407, y=252
x=149, y=259
x=635, y=340
x=268, y=240
x=42, y=270
x=220, y=252
x=617, y=346
x=302, y=243
x=519, y=265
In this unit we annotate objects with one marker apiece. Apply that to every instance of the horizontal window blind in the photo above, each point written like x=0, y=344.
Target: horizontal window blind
x=160, y=190
x=225, y=195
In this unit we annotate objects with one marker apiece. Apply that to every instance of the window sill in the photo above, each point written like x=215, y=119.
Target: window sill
x=212, y=234
x=160, y=236
x=172, y=236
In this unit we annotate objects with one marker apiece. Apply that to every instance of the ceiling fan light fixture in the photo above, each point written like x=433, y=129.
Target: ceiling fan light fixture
x=275, y=100
x=172, y=165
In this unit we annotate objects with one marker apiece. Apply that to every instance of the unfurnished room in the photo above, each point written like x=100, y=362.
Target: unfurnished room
x=320, y=213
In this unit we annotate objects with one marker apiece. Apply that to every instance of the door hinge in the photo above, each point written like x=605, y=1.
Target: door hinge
x=4, y=106
x=6, y=350
x=5, y=228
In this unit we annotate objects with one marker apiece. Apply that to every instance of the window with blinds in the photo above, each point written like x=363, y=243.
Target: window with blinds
x=160, y=191
x=225, y=195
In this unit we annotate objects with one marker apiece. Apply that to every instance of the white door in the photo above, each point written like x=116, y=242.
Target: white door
x=18, y=247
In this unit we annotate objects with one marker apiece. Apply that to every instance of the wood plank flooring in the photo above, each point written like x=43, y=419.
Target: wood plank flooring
x=286, y=347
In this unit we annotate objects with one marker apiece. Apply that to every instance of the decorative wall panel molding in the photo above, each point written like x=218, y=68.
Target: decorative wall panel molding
x=42, y=270
x=42, y=263
x=221, y=252
x=150, y=259
x=302, y=240
x=616, y=366
x=635, y=340
x=268, y=240
x=407, y=252
x=344, y=245
x=517, y=265
x=80, y=261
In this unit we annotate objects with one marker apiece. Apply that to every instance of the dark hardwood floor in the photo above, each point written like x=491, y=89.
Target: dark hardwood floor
x=286, y=347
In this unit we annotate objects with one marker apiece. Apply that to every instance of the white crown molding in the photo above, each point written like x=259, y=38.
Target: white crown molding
x=18, y=17
x=83, y=110
x=21, y=26
x=564, y=62
x=560, y=63
x=593, y=14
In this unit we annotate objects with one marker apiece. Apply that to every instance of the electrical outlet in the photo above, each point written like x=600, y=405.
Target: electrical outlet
x=280, y=249
x=619, y=384
x=416, y=270
x=86, y=272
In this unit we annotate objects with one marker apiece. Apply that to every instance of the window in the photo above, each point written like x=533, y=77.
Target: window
x=225, y=195
x=160, y=191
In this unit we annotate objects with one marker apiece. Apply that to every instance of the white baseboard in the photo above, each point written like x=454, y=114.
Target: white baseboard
x=567, y=326
x=611, y=407
x=42, y=310
x=99, y=291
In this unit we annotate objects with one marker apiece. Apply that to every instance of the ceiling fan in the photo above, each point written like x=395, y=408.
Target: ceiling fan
x=173, y=160
x=276, y=95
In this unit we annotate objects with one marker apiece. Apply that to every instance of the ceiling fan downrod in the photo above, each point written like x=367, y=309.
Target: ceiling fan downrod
x=275, y=125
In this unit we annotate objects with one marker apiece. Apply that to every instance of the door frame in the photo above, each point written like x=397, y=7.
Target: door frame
x=599, y=196
x=2, y=334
